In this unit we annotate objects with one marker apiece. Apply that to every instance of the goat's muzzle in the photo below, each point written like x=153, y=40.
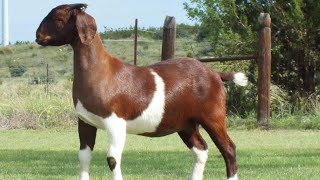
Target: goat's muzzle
x=42, y=39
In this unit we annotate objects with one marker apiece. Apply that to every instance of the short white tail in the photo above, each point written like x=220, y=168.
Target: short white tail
x=240, y=79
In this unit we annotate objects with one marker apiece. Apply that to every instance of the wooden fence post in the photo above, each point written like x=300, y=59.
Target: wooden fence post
x=264, y=70
x=169, y=38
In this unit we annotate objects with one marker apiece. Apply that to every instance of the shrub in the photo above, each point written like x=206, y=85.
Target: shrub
x=5, y=51
x=17, y=70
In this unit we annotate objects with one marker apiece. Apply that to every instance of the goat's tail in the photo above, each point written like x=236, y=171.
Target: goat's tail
x=238, y=78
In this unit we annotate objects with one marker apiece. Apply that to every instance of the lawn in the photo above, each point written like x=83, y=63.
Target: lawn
x=51, y=154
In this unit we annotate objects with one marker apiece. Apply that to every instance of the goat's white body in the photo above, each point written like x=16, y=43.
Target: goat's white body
x=147, y=122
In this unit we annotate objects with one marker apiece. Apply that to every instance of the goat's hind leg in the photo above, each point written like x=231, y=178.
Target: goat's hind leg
x=216, y=128
x=192, y=138
x=87, y=136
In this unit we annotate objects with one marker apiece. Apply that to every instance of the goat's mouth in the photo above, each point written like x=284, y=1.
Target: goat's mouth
x=42, y=42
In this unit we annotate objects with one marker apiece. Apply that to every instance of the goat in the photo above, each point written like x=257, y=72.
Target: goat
x=171, y=96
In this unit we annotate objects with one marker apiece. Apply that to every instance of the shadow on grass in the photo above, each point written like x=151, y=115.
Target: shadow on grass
x=281, y=158
x=15, y=162
x=146, y=164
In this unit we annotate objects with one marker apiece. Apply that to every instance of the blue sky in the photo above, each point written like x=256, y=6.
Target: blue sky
x=25, y=16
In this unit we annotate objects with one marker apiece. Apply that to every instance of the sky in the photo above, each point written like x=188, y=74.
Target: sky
x=26, y=15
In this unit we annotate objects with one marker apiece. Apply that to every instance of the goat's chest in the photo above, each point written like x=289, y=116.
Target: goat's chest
x=146, y=122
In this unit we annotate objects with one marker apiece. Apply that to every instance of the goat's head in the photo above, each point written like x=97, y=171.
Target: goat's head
x=66, y=24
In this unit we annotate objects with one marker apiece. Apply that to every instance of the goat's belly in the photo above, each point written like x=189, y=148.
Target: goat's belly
x=142, y=125
x=147, y=122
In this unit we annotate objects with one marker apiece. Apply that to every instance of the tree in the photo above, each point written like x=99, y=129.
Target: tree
x=231, y=26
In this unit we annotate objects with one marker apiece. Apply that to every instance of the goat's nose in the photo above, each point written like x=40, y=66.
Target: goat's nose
x=37, y=34
x=37, y=37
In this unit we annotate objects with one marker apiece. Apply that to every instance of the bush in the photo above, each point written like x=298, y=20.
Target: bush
x=17, y=70
x=5, y=51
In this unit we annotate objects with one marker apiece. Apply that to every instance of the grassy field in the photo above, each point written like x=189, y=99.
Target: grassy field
x=280, y=154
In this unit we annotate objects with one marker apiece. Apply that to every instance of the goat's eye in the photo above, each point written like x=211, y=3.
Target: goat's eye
x=59, y=23
x=58, y=20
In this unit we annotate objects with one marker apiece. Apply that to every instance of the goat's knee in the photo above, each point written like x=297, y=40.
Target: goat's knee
x=111, y=162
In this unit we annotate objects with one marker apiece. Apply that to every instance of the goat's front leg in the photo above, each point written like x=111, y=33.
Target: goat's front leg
x=87, y=135
x=116, y=130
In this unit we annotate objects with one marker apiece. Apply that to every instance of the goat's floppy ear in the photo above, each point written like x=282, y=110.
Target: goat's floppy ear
x=86, y=27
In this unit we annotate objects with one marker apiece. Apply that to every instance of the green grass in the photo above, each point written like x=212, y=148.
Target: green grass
x=29, y=106
x=280, y=154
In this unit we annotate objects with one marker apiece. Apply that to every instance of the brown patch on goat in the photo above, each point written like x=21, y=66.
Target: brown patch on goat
x=87, y=136
x=111, y=163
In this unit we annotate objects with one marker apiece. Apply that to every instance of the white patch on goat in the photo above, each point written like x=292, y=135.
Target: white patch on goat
x=151, y=117
x=116, y=131
x=235, y=177
x=200, y=159
x=84, y=158
x=240, y=79
x=89, y=117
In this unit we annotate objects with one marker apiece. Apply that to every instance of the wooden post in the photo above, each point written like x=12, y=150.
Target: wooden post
x=264, y=70
x=169, y=38
x=135, y=42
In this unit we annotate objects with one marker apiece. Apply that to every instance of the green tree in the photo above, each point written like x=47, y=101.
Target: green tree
x=231, y=26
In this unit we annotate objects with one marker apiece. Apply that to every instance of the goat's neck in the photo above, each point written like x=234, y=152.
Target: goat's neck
x=92, y=64
x=91, y=55
x=93, y=68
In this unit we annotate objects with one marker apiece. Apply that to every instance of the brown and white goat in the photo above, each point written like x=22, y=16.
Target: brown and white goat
x=171, y=96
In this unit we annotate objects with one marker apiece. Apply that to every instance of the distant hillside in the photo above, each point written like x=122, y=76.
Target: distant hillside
x=28, y=61
x=182, y=31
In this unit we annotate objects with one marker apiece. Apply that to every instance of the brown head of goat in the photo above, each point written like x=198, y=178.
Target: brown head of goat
x=171, y=96
x=66, y=24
